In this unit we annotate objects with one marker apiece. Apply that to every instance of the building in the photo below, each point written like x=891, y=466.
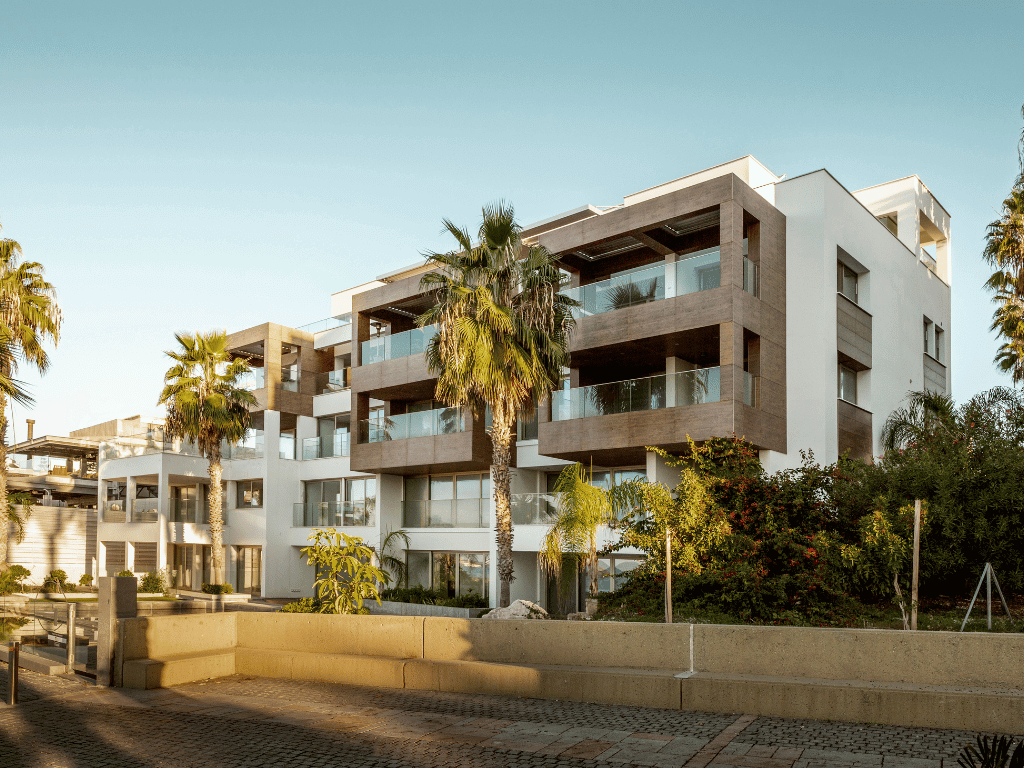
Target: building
x=788, y=311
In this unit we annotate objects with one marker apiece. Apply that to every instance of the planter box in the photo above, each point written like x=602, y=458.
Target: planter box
x=388, y=608
x=239, y=597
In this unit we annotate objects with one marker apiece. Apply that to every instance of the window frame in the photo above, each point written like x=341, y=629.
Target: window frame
x=240, y=484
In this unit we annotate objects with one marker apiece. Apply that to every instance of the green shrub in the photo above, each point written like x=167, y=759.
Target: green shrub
x=12, y=580
x=152, y=583
x=57, y=580
x=423, y=596
x=305, y=605
x=126, y=573
x=86, y=580
x=218, y=589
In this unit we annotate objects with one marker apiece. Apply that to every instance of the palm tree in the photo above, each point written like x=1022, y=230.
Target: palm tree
x=29, y=317
x=502, y=340
x=582, y=509
x=16, y=517
x=924, y=414
x=207, y=404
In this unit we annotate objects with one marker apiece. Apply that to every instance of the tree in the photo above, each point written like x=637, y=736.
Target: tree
x=345, y=572
x=1004, y=250
x=29, y=318
x=502, y=340
x=582, y=509
x=924, y=414
x=388, y=559
x=207, y=404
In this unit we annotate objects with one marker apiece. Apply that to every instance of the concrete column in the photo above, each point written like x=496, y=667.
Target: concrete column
x=101, y=558
x=272, y=433
x=305, y=427
x=118, y=599
x=129, y=556
x=730, y=352
x=129, y=503
x=163, y=507
x=670, y=275
x=731, y=243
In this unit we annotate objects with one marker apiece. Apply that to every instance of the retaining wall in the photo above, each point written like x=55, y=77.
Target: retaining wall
x=938, y=679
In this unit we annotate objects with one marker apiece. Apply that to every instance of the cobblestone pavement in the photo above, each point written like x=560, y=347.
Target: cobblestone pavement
x=238, y=722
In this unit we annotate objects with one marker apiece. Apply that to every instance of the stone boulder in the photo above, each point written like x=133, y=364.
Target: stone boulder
x=520, y=609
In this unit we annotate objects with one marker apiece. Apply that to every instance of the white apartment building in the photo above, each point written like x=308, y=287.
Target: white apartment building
x=789, y=311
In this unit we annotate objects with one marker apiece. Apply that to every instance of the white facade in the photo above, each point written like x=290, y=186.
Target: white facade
x=903, y=282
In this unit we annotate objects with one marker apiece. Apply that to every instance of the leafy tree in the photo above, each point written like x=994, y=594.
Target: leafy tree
x=206, y=403
x=345, y=572
x=502, y=340
x=389, y=555
x=1004, y=250
x=29, y=318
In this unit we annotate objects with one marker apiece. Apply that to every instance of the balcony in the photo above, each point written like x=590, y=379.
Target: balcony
x=446, y=513
x=331, y=381
x=255, y=379
x=326, y=324
x=751, y=277
x=670, y=390
x=751, y=390
x=191, y=511
x=115, y=511
x=290, y=378
x=699, y=271
x=533, y=508
x=325, y=447
x=251, y=448
x=145, y=510
x=333, y=514
x=440, y=421
x=396, y=345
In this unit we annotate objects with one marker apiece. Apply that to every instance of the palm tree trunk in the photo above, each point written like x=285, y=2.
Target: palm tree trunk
x=501, y=440
x=216, y=517
x=593, y=564
x=5, y=523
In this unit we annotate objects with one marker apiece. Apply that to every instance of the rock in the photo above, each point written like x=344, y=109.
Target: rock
x=520, y=609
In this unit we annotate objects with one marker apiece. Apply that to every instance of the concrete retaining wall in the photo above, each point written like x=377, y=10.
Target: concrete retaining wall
x=937, y=679
x=390, y=608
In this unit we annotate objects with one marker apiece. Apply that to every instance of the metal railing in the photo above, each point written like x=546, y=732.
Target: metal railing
x=533, y=508
x=333, y=514
x=324, y=448
x=440, y=421
x=252, y=448
x=445, y=513
x=700, y=271
x=396, y=345
x=326, y=324
x=332, y=381
x=667, y=390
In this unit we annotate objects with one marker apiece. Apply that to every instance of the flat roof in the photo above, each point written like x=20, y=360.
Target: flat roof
x=56, y=445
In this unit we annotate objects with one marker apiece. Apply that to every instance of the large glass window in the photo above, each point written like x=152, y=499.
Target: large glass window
x=938, y=344
x=248, y=567
x=249, y=493
x=450, y=573
x=447, y=501
x=847, y=282
x=611, y=571
x=847, y=384
x=360, y=501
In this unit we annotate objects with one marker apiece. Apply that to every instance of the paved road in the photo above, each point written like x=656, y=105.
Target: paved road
x=239, y=722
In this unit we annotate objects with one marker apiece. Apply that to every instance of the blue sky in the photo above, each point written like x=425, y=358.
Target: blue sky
x=199, y=165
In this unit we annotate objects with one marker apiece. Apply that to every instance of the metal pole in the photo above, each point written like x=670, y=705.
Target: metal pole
x=917, y=558
x=1006, y=606
x=70, y=663
x=976, y=591
x=12, y=673
x=988, y=571
x=668, y=576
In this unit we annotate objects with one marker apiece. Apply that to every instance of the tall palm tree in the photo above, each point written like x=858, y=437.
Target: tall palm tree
x=207, y=404
x=29, y=318
x=502, y=340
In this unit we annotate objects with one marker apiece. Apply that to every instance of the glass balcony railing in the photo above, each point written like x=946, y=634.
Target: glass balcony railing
x=331, y=381
x=326, y=324
x=446, y=513
x=144, y=443
x=252, y=448
x=533, y=508
x=396, y=345
x=333, y=514
x=191, y=511
x=441, y=421
x=325, y=447
x=751, y=390
x=255, y=379
x=290, y=378
x=115, y=511
x=751, y=277
x=648, y=394
x=694, y=272
x=145, y=510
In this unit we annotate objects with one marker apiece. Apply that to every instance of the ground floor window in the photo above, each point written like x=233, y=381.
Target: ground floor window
x=451, y=573
x=611, y=571
x=192, y=565
x=248, y=565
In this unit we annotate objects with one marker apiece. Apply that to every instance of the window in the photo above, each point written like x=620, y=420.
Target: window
x=447, y=501
x=286, y=450
x=847, y=384
x=248, y=565
x=846, y=282
x=450, y=573
x=938, y=343
x=360, y=501
x=927, y=336
x=249, y=493
x=526, y=427
x=611, y=572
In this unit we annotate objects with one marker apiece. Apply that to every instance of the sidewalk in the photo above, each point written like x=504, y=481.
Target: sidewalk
x=243, y=722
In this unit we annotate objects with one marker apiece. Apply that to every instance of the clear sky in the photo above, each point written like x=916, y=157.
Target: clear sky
x=193, y=165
